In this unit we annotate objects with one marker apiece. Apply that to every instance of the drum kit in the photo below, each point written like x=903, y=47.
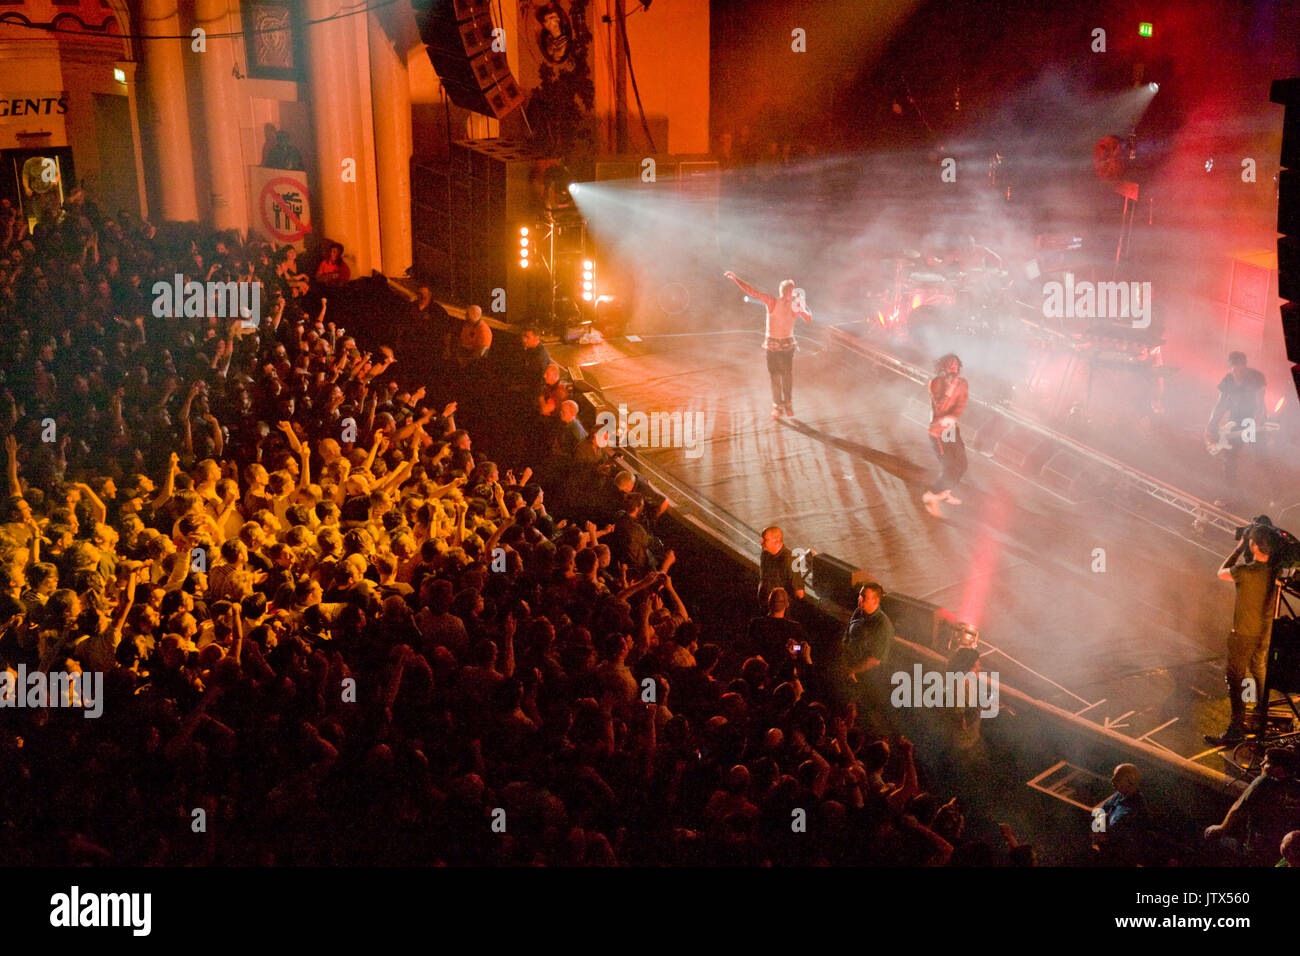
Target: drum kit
x=966, y=290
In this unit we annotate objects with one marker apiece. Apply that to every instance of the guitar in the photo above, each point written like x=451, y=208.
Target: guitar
x=1230, y=432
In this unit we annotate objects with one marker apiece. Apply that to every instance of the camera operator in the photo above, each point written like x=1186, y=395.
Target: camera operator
x=1252, y=624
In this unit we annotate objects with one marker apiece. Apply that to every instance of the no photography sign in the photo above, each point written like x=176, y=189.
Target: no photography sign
x=283, y=209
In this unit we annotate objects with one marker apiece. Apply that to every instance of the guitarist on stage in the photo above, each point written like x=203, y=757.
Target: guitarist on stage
x=1241, y=399
x=779, y=342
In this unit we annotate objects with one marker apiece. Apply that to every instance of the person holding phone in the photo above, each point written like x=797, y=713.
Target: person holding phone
x=774, y=636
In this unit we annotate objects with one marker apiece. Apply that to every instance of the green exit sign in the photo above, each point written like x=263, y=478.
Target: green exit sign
x=1144, y=29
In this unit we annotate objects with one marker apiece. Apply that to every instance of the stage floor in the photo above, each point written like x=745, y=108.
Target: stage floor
x=1106, y=608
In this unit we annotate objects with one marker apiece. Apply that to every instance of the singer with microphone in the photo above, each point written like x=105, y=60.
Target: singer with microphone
x=779, y=341
x=949, y=393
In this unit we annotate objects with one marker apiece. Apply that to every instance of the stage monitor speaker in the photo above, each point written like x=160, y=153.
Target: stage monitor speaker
x=835, y=580
x=459, y=40
x=1283, y=672
x=914, y=620
x=980, y=427
x=918, y=621
x=1023, y=450
x=1074, y=477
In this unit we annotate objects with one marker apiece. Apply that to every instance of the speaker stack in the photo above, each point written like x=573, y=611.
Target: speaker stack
x=1283, y=671
x=459, y=35
x=1287, y=93
x=466, y=219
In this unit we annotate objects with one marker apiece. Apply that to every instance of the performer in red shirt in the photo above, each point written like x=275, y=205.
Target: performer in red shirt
x=948, y=395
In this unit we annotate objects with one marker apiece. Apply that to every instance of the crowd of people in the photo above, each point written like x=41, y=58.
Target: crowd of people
x=333, y=628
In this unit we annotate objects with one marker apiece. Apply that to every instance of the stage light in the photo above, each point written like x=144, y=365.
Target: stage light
x=963, y=635
x=587, y=275
x=588, y=264
x=523, y=253
x=586, y=287
x=523, y=230
x=1144, y=29
x=556, y=189
x=523, y=263
x=586, y=296
x=1153, y=87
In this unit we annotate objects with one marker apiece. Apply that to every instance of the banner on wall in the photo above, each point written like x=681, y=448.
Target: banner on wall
x=281, y=208
x=556, y=38
x=554, y=65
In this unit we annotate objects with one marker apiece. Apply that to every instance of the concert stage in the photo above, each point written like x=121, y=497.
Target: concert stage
x=1097, y=600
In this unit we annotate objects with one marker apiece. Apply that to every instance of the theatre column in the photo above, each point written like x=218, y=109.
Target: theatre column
x=164, y=79
x=338, y=85
x=390, y=92
x=220, y=121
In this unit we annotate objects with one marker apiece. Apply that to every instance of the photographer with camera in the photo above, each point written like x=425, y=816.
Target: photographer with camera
x=1252, y=624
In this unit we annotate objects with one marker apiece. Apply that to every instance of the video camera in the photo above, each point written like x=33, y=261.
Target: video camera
x=1288, y=548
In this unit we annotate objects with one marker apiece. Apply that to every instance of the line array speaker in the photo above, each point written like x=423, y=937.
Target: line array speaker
x=459, y=36
x=1287, y=93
